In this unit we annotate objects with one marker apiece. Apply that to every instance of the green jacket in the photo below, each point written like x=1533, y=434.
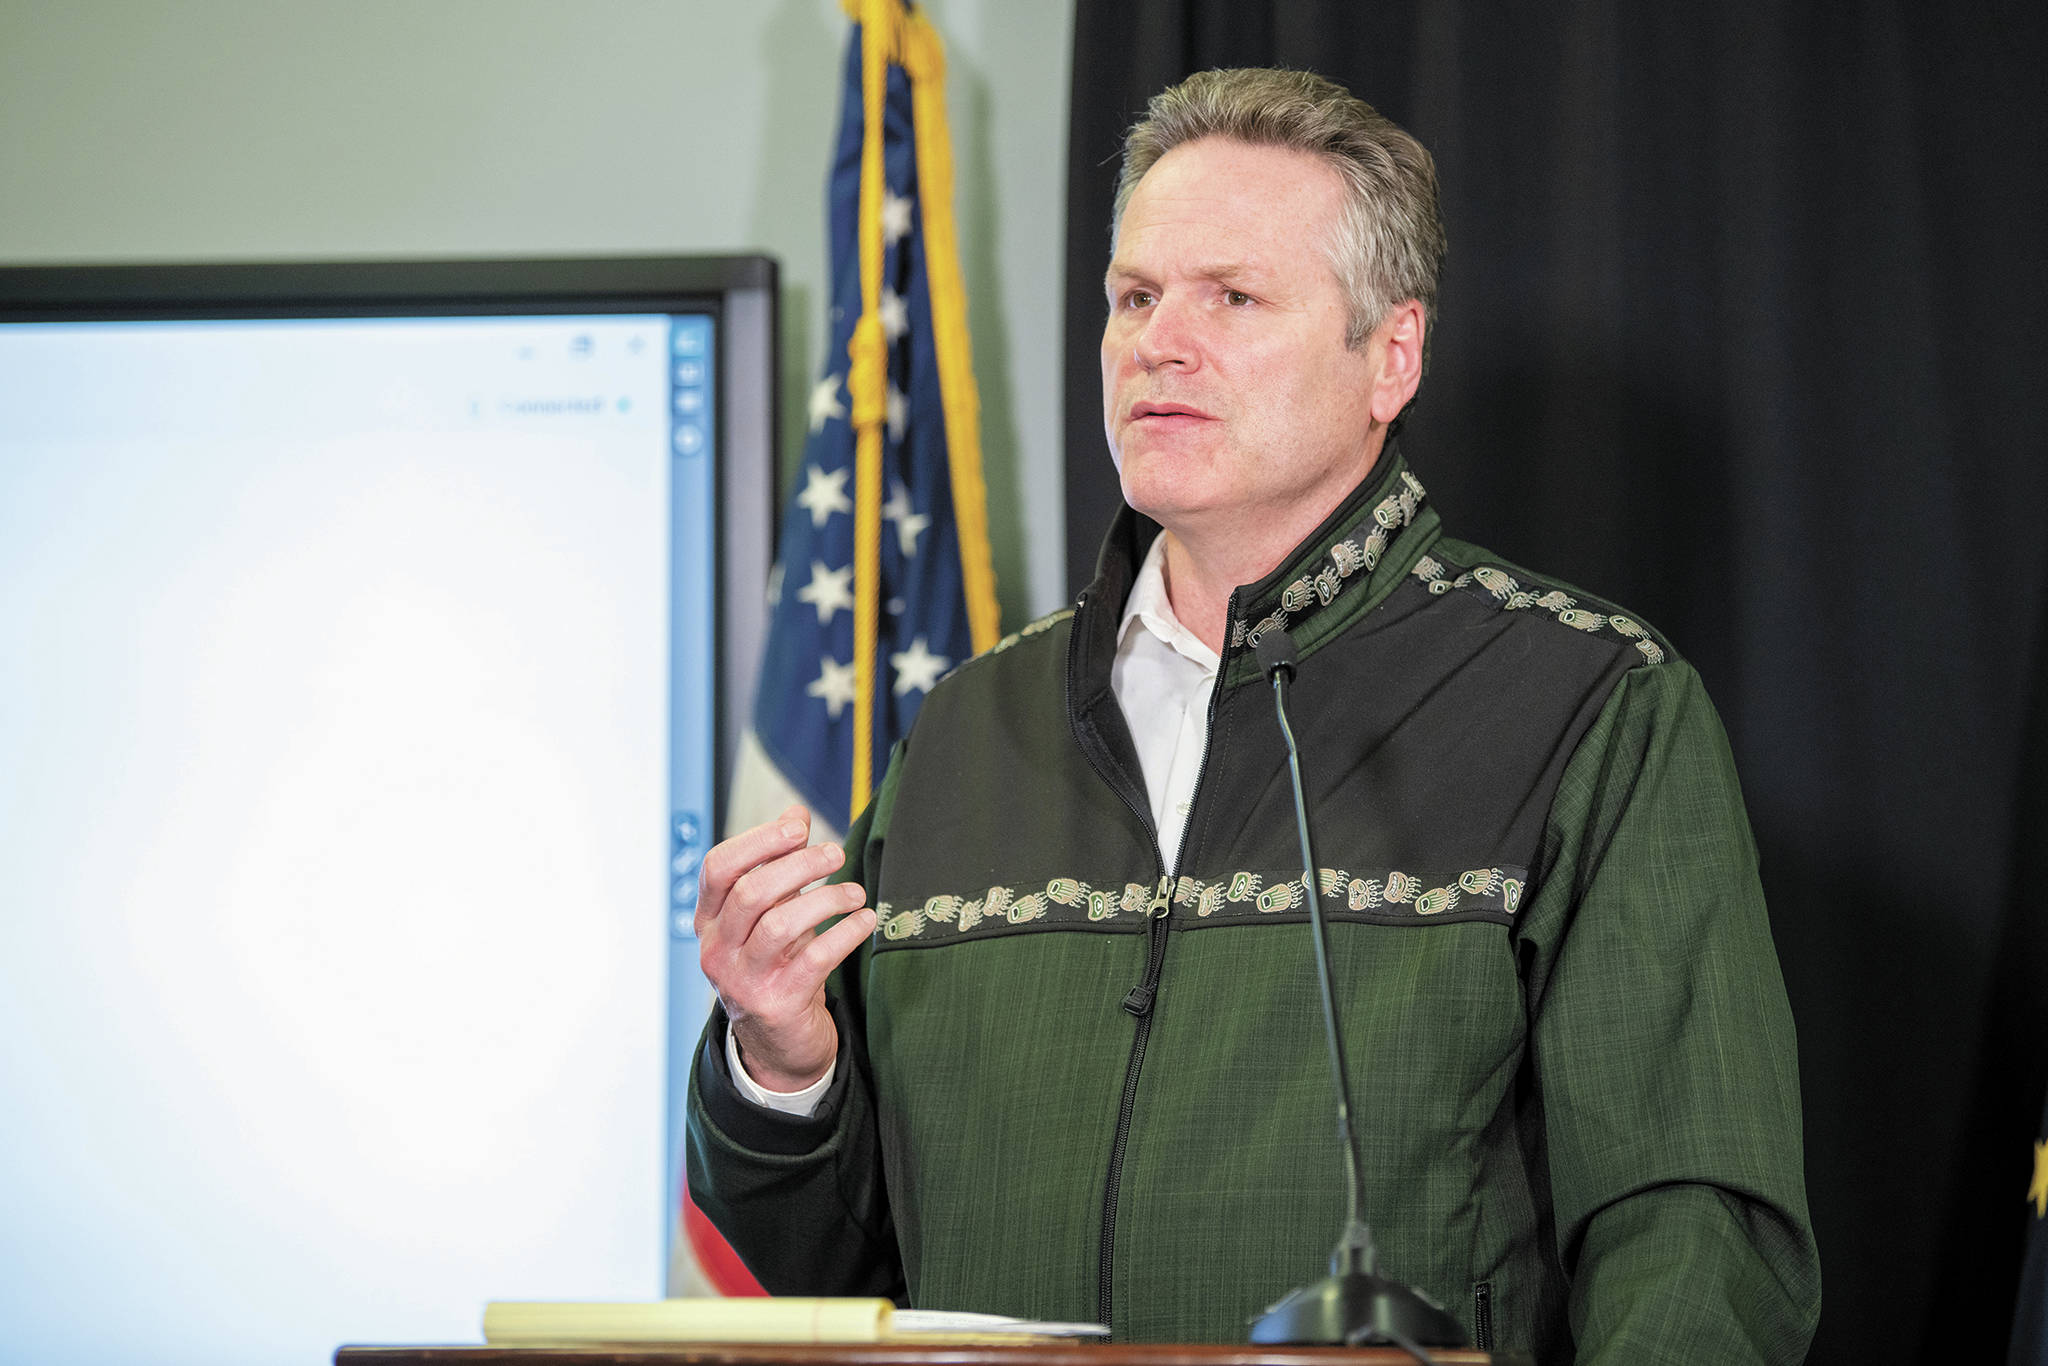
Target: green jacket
x=1075, y=1084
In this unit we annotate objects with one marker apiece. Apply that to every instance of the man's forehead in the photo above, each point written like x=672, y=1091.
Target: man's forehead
x=1221, y=177
x=1233, y=214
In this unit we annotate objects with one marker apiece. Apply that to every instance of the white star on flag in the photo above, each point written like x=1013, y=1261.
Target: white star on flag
x=825, y=404
x=898, y=414
x=894, y=313
x=828, y=591
x=917, y=667
x=834, y=683
x=824, y=494
x=895, y=217
x=909, y=522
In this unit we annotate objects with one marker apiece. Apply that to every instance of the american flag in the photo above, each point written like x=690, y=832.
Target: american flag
x=883, y=580
x=896, y=378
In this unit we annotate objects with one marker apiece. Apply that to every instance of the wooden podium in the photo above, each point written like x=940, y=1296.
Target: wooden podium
x=897, y=1354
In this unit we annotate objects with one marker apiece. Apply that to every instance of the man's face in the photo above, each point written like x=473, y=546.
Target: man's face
x=1229, y=397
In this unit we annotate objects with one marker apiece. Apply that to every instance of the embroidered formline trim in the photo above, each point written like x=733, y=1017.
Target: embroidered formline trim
x=1232, y=896
x=1513, y=598
x=1346, y=558
x=1029, y=629
x=1007, y=905
x=1359, y=893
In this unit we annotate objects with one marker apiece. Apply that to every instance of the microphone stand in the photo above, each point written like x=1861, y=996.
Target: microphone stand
x=1354, y=1305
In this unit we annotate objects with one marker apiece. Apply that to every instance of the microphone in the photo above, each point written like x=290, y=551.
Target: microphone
x=1275, y=650
x=1354, y=1305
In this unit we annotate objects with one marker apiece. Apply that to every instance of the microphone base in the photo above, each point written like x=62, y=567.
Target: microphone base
x=1356, y=1309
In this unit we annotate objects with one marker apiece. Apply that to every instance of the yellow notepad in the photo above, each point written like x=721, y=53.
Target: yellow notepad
x=782, y=1319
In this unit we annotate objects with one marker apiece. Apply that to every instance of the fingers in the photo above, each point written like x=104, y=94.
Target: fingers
x=729, y=860
x=753, y=871
x=773, y=985
x=827, y=949
x=776, y=888
x=758, y=933
x=783, y=931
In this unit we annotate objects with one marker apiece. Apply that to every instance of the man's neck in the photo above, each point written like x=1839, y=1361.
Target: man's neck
x=1198, y=588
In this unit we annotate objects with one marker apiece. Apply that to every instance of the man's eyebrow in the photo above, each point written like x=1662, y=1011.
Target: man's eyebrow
x=1222, y=272
x=1229, y=272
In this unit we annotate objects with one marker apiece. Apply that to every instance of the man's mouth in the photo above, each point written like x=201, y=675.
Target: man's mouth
x=1149, y=408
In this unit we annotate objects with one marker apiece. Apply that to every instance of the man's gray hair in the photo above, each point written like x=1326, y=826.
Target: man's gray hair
x=1389, y=243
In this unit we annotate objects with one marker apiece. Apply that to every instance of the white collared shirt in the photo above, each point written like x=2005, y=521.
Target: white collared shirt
x=1163, y=677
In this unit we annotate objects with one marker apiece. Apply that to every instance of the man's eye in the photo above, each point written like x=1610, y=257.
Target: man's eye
x=1236, y=298
x=1138, y=298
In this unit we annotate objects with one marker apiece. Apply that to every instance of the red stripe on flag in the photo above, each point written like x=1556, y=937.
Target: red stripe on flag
x=720, y=1264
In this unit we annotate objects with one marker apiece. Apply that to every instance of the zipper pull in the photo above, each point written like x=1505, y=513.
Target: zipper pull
x=1139, y=1000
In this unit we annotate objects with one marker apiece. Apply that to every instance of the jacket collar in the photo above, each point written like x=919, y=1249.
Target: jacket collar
x=1341, y=570
x=1345, y=566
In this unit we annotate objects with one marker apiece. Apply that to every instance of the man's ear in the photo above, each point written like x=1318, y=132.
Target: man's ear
x=1398, y=339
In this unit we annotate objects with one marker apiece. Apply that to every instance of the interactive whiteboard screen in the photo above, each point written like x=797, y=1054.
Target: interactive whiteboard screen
x=358, y=672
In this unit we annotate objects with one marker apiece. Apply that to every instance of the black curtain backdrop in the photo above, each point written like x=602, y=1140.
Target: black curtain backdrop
x=1742, y=327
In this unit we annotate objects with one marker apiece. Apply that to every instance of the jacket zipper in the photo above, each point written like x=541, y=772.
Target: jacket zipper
x=1138, y=1001
x=1482, y=1316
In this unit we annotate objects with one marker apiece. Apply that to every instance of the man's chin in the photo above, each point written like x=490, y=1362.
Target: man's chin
x=1164, y=502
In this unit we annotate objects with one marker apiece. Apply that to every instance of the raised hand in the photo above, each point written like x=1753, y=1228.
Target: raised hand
x=761, y=948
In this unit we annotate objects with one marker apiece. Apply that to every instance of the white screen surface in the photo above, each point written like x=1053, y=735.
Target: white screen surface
x=333, y=769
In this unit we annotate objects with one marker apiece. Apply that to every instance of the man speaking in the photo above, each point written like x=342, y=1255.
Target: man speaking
x=1052, y=1048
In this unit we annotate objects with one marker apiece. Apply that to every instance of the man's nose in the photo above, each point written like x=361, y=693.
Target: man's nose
x=1167, y=337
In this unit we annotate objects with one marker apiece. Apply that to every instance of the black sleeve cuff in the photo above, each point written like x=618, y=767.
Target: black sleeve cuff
x=756, y=1126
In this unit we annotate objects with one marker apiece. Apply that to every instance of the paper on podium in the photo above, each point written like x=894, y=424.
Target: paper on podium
x=782, y=1319
x=924, y=1325
x=787, y=1319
